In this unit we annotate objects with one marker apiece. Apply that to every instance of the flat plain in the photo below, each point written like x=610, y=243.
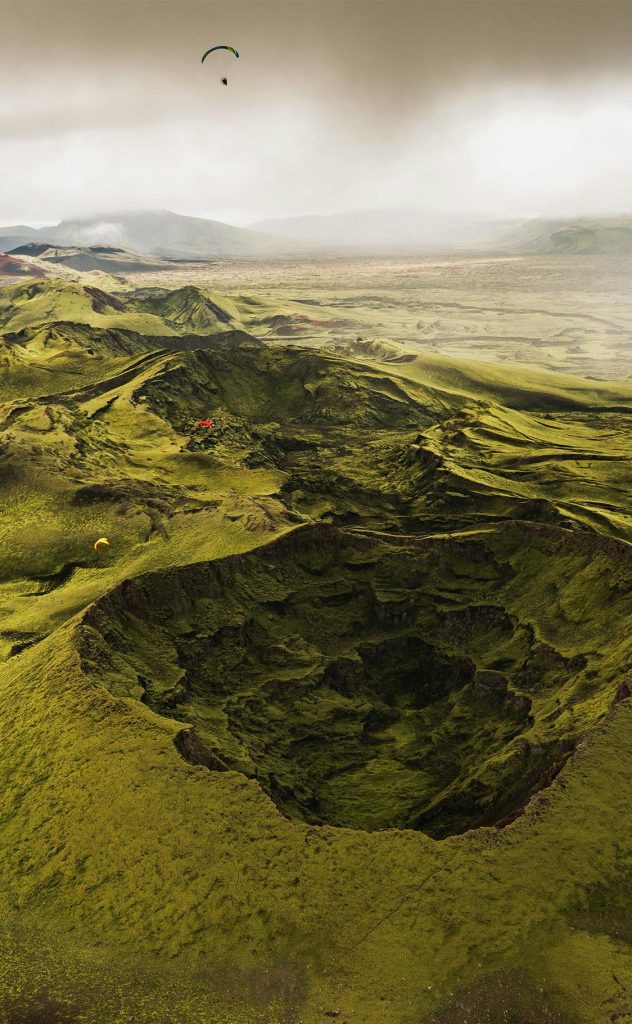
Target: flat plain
x=566, y=313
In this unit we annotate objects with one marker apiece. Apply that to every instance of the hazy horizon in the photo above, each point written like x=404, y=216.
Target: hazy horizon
x=473, y=109
x=474, y=217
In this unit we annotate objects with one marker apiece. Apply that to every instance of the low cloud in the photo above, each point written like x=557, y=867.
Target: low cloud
x=498, y=109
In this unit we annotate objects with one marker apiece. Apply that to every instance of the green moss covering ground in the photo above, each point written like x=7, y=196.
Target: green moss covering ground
x=379, y=604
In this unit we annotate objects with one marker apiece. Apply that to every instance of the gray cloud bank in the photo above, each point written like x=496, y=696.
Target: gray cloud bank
x=503, y=108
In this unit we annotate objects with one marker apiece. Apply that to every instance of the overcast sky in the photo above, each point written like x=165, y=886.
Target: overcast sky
x=503, y=108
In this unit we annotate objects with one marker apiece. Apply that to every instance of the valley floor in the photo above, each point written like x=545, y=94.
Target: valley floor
x=567, y=313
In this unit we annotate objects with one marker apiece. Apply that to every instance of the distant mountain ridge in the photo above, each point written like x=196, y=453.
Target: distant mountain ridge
x=150, y=232
x=16, y=234
x=161, y=234
x=389, y=231
x=416, y=231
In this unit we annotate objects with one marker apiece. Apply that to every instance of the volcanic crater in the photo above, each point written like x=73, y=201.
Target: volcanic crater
x=364, y=683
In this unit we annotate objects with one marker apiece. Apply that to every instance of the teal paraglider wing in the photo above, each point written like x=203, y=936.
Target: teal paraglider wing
x=231, y=48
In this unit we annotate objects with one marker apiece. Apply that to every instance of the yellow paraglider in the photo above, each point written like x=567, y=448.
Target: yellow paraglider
x=101, y=540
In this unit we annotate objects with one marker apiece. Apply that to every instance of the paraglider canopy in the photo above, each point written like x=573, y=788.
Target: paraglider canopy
x=205, y=423
x=101, y=541
x=231, y=49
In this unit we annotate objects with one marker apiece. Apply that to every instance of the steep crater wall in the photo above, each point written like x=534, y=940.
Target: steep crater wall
x=432, y=685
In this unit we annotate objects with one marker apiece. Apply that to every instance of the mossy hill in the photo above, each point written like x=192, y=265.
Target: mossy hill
x=156, y=232
x=337, y=728
x=611, y=236
x=38, y=304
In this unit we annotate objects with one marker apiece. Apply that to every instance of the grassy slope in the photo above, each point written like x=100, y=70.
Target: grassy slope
x=124, y=856
x=136, y=847
x=529, y=389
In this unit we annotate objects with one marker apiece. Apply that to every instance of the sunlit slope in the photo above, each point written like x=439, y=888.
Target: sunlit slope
x=50, y=301
x=556, y=448
x=523, y=388
x=188, y=308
